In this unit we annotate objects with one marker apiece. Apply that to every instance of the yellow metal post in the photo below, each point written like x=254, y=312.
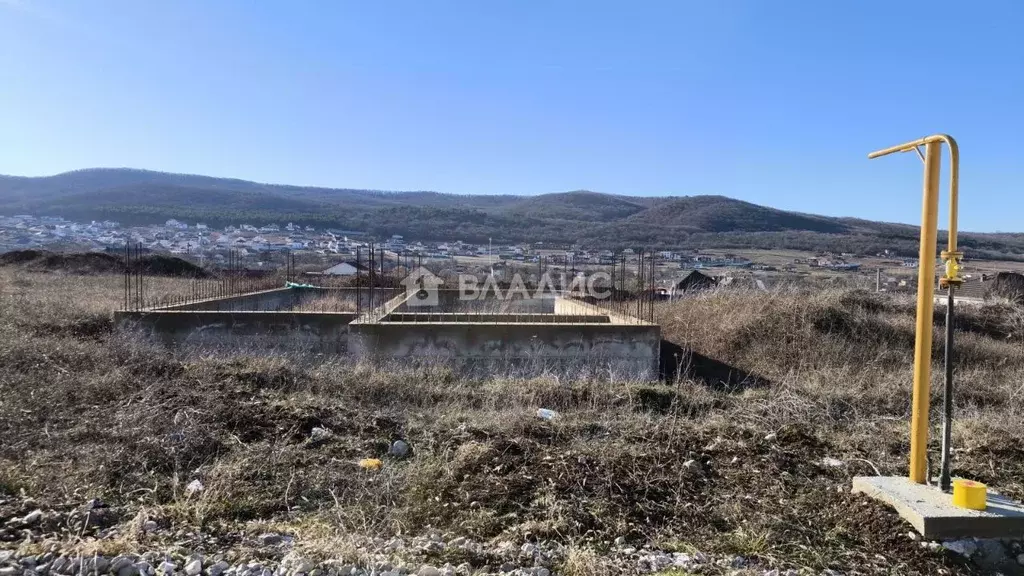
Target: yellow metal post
x=926, y=283
x=925, y=306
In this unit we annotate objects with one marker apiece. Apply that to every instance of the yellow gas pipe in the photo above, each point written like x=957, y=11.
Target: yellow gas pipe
x=925, y=282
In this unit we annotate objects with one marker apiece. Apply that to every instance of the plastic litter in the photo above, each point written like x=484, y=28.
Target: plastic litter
x=545, y=414
x=193, y=487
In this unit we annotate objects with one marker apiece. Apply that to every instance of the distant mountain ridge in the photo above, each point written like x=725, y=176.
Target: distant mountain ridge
x=134, y=196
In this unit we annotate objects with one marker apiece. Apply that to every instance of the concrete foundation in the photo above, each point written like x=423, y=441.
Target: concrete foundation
x=574, y=337
x=282, y=299
x=536, y=334
x=264, y=301
x=931, y=511
x=630, y=351
x=317, y=332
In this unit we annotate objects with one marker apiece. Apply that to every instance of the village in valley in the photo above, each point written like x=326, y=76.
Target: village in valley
x=346, y=253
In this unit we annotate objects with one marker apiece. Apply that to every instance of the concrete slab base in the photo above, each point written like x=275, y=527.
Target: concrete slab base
x=931, y=512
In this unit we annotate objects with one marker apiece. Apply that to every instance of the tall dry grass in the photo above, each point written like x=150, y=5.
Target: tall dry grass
x=843, y=361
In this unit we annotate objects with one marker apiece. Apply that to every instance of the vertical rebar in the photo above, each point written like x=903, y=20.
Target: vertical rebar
x=639, y=281
x=126, y=264
x=622, y=283
x=138, y=278
x=654, y=270
x=359, y=299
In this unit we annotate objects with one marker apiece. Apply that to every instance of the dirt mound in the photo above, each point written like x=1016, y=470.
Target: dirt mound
x=78, y=262
x=97, y=263
x=19, y=257
x=161, y=265
x=1009, y=285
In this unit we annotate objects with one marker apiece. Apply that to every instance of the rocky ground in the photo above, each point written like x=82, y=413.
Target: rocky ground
x=91, y=540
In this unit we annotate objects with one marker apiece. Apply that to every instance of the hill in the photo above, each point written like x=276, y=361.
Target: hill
x=589, y=218
x=580, y=205
x=721, y=214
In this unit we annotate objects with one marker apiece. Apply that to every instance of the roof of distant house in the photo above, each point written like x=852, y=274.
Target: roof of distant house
x=339, y=266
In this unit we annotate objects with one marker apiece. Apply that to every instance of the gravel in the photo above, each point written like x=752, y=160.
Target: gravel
x=279, y=555
x=271, y=539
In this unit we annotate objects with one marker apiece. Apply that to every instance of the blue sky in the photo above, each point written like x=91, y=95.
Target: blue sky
x=774, y=102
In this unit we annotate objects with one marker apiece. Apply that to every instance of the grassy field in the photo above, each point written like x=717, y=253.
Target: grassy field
x=759, y=467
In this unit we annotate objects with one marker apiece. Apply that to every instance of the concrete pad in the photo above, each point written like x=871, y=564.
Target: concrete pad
x=931, y=512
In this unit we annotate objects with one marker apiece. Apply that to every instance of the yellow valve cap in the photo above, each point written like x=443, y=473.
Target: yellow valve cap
x=370, y=464
x=952, y=269
x=969, y=494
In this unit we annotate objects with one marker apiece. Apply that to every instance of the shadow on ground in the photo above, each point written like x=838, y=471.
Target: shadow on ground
x=680, y=362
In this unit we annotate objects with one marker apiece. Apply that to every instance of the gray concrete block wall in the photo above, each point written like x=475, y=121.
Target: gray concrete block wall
x=572, y=306
x=448, y=300
x=325, y=333
x=282, y=299
x=474, y=318
x=631, y=350
x=266, y=301
x=304, y=296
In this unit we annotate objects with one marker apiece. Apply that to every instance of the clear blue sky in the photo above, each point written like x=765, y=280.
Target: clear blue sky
x=775, y=102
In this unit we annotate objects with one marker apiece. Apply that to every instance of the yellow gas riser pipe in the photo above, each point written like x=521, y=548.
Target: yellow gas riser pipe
x=926, y=282
x=925, y=305
x=954, y=190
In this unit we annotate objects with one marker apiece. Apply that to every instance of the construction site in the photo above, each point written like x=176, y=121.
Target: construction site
x=542, y=329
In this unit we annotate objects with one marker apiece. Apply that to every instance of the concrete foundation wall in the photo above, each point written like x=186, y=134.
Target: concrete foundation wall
x=267, y=300
x=547, y=334
x=281, y=299
x=449, y=301
x=293, y=331
x=570, y=306
x=629, y=350
x=348, y=295
x=444, y=317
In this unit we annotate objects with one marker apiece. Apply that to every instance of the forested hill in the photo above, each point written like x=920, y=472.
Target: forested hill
x=590, y=218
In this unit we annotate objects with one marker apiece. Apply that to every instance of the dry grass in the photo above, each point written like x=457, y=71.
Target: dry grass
x=87, y=413
x=842, y=361
x=327, y=303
